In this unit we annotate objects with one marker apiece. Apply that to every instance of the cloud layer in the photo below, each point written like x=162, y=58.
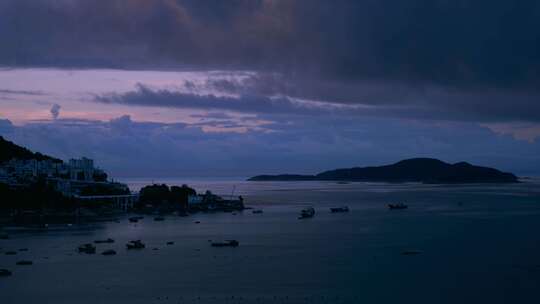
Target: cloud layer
x=129, y=148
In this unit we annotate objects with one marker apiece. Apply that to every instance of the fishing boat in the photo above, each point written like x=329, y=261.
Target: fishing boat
x=226, y=243
x=109, y=252
x=135, y=245
x=24, y=263
x=339, y=209
x=87, y=248
x=307, y=213
x=397, y=206
x=258, y=211
x=107, y=241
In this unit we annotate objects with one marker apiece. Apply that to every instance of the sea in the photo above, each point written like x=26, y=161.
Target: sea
x=453, y=244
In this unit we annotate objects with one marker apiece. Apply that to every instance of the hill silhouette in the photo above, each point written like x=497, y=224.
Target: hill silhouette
x=425, y=170
x=9, y=150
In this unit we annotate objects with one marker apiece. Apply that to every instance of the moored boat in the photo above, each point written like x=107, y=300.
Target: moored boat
x=107, y=241
x=339, y=209
x=307, y=213
x=226, y=243
x=135, y=245
x=87, y=248
x=397, y=206
x=109, y=252
x=5, y=273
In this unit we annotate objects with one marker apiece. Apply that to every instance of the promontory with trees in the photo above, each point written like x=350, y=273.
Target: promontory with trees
x=36, y=189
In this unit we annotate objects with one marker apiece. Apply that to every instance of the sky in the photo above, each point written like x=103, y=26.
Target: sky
x=209, y=88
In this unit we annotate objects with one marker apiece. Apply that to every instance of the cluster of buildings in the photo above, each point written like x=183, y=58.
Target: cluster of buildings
x=24, y=171
x=211, y=202
x=78, y=178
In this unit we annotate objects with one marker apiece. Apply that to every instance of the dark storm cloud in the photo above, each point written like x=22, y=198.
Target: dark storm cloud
x=435, y=41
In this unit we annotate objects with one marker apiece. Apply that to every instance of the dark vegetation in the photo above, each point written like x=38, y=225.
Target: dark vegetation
x=425, y=170
x=103, y=189
x=37, y=196
x=9, y=150
x=164, y=196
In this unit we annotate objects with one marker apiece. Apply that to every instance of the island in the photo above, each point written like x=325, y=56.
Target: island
x=422, y=170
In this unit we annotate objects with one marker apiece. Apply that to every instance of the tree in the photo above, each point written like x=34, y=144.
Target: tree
x=179, y=195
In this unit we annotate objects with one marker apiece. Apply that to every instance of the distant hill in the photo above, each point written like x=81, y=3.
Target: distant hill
x=424, y=170
x=9, y=150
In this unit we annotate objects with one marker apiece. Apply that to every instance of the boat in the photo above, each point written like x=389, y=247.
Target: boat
x=170, y=243
x=135, y=245
x=10, y=253
x=258, y=211
x=339, y=209
x=5, y=273
x=87, y=248
x=133, y=219
x=25, y=263
x=307, y=213
x=397, y=206
x=107, y=241
x=159, y=218
x=109, y=252
x=411, y=252
x=226, y=243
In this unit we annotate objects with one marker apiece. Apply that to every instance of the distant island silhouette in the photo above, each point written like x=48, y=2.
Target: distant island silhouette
x=424, y=170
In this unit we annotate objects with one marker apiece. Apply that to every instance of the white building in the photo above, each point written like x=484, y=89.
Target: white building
x=81, y=169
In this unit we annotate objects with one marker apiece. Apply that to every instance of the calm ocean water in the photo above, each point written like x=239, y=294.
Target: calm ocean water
x=478, y=243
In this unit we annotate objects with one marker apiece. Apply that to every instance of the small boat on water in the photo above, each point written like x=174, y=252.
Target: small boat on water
x=133, y=219
x=107, y=241
x=10, y=253
x=87, y=248
x=307, y=213
x=5, y=273
x=135, y=245
x=411, y=252
x=25, y=263
x=397, y=206
x=339, y=209
x=226, y=243
x=159, y=218
x=109, y=252
x=258, y=211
